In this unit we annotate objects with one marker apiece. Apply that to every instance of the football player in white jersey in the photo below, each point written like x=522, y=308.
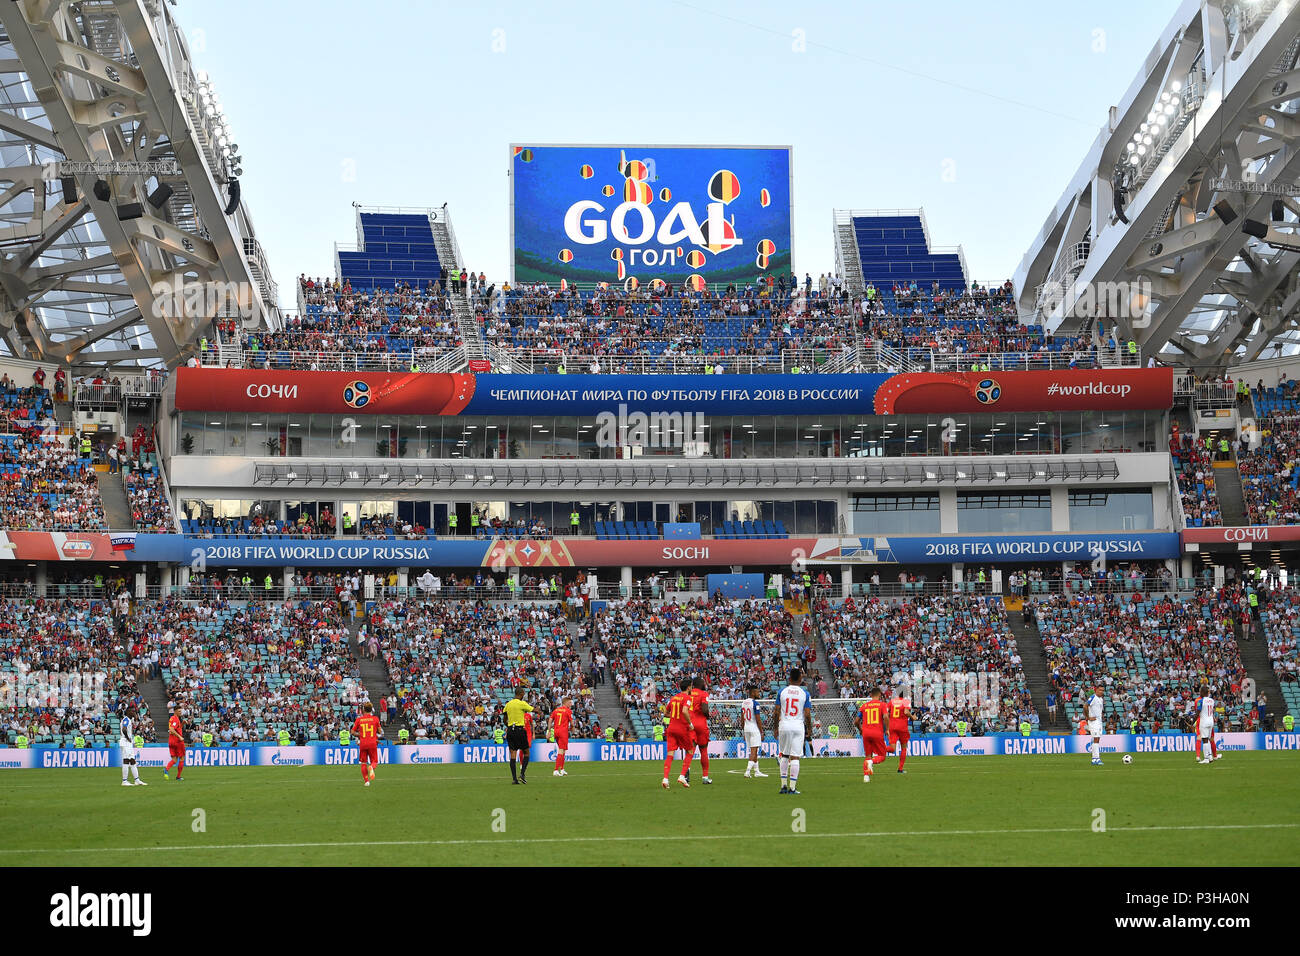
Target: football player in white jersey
x=127, y=747
x=793, y=724
x=1095, y=707
x=750, y=730
x=1202, y=711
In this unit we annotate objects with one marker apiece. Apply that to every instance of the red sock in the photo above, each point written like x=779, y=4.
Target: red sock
x=902, y=757
x=167, y=769
x=865, y=769
x=180, y=766
x=1198, y=746
x=686, y=764
x=365, y=774
x=559, y=760
x=1214, y=746
x=668, y=765
x=704, y=760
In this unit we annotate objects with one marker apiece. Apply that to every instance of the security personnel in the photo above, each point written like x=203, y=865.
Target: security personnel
x=550, y=735
x=473, y=522
x=85, y=447
x=268, y=582
x=833, y=731
x=560, y=370
x=347, y=522
x=208, y=739
x=248, y=581
x=1223, y=449
x=403, y=736
x=796, y=370
x=573, y=522
x=609, y=735
x=1254, y=603
x=79, y=741
x=1132, y=347
x=1133, y=726
x=345, y=738
x=517, y=733
x=1025, y=728
x=499, y=736
x=284, y=738
x=137, y=741
x=961, y=728
x=22, y=743
x=452, y=521
x=1288, y=723
x=659, y=732
x=99, y=582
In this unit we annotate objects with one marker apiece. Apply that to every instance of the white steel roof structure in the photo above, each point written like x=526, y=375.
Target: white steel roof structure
x=108, y=85
x=1180, y=226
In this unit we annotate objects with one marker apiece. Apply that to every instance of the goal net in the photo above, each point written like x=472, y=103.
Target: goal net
x=832, y=718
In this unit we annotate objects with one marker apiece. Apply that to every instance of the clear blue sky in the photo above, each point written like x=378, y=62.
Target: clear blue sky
x=979, y=113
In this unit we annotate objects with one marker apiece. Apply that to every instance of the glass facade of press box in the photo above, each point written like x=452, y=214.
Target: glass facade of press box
x=895, y=514
x=1004, y=513
x=412, y=437
x=1121, y=509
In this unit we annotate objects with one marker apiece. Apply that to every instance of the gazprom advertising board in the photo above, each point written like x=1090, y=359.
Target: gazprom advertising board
x=639, y=216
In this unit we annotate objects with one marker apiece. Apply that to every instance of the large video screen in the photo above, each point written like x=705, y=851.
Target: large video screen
x=641, y=216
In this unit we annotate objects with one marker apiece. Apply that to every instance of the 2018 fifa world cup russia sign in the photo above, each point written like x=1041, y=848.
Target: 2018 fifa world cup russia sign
x=418, y=393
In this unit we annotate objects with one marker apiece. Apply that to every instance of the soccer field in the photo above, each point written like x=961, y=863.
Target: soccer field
x=1161, y=810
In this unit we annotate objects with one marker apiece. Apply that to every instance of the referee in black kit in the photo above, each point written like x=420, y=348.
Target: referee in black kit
x=516, y=735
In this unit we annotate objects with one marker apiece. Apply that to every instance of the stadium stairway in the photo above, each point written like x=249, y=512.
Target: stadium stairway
x=117, y=509
x=154, y=693
x=1232, y=505
x=609, y=706
x=1030, y=645
x=374, y=675
x=1254, y=657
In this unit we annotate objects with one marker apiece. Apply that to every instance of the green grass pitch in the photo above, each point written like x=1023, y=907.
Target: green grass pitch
x=1161, y=810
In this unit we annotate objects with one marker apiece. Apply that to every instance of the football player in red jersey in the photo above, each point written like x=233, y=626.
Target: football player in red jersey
x=700, y=723
x=900, y=711
x=870, y=721
x=681, y=733
x=367, y=730
x=561, y=721
x=175, y=745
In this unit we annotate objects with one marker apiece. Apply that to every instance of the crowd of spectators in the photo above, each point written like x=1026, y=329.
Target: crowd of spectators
x=1194, y=468
x=962, y=644
x=1153, y=655
x=453, y=665
x=45, y=642
x=247, y=673
x=1269, y=474
x=46, y=486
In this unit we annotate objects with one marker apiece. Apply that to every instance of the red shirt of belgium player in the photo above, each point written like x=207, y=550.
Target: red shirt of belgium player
x=366, y=730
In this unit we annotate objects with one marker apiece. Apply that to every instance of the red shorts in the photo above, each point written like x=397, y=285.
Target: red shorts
x=175, y=749
x=899, y=735
x=561, y=743
x=679, y=740
x=702, y=736
x=368, y=754
x=873, y=746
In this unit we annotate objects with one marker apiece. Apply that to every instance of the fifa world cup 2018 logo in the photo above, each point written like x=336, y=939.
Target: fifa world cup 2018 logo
x=987, y=391
x=356, y=394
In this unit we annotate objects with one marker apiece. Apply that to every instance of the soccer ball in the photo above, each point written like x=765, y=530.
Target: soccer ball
x=1128, y=758
x=356, y=394
x=987, y=391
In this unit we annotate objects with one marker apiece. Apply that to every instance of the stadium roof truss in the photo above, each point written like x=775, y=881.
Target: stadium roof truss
x=1167, y=229
x=102, y=82
x=825, y=474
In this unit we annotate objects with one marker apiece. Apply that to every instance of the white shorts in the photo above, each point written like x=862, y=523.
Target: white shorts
x=1205, y=728
x=127, y=748
x=790, y=739
x=753, y=738
x=1094, y=728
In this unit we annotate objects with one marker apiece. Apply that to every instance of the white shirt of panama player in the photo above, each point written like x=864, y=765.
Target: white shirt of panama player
x=792, y=705
x=1095, y=707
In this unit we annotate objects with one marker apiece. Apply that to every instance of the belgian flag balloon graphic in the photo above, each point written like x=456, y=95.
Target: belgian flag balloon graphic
x=607, y=190
x=621, y=271
x=525, y=155
x=724, y=186
x=566, y=255
x=666, y=194
x=634, y=190
x=585, y=171
x=635, y=169
x=616, y=254
x=631, y=284
x=695, y=283
x=764, y=198
x=695, y=258
x=716, y=244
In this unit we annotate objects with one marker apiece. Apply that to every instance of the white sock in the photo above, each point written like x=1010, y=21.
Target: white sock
x=135, y=770
x=126, y=769
x=794, y=772
x=785, y=770
x=751, y=767
x=1096, y=750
